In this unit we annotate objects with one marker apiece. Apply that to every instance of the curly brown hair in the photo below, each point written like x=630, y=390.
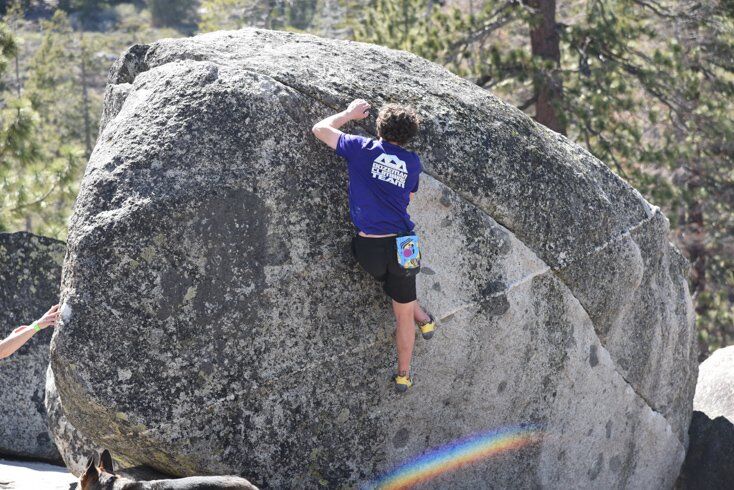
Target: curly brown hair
x=397, y=124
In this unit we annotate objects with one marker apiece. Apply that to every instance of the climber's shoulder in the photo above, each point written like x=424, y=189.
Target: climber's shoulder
x=349, y=144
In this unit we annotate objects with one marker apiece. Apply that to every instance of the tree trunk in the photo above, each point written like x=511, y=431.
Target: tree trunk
x=695, y=242
x=545, y=44
x=405, y=21
x=85, y=101
x=18, y=86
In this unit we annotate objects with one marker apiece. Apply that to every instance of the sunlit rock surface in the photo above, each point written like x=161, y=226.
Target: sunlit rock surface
x=708, y=462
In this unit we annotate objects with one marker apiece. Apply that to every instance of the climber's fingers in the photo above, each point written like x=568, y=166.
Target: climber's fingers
x=359, y=109
x=50, y=318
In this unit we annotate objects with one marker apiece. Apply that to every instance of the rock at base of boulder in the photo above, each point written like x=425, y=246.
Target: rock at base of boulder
x=74, y=447
x=30, y=274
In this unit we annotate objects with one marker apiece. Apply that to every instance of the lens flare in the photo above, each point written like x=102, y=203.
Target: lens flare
x=457, y=454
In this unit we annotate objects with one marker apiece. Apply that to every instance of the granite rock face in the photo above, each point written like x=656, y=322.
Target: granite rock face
x=215, y=322
x=708, y=461
x=74, y=447
x=30, y=275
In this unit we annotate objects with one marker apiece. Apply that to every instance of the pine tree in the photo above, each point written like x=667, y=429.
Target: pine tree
x=42, y=131
x=18, y=144
x=269, y=14
x=702, y=139
x=8, y=47
x=172, y=13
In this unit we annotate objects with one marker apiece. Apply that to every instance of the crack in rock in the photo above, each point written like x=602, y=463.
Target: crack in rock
x=497, y=294
x=654, y=211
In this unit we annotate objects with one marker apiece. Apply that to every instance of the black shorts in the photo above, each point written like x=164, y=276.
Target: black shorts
x=378, y=256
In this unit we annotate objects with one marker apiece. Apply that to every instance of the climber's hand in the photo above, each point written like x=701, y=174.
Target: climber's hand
x=50, y=318
x=327, y=130
x=358, y=109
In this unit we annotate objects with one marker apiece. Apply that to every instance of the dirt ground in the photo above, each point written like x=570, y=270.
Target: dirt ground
x=31, y=475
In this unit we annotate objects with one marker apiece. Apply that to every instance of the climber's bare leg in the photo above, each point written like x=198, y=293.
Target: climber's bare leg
x=420, y=314
x=404, y=333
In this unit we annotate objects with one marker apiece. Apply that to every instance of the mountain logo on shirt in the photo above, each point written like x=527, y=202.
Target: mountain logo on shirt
x=390, y=169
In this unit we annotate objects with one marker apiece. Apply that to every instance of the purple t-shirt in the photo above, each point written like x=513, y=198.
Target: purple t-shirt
x=381, y=178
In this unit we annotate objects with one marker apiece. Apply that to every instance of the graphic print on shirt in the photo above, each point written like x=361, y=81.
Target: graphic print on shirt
x=391, y=169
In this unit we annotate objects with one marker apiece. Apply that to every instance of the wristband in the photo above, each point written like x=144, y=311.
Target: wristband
x=36, y=327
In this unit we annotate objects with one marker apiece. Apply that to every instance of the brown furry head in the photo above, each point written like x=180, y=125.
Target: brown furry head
x=397, y=124
x=99, y=476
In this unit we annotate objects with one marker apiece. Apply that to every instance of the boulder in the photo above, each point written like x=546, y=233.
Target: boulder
x=30, y=275
x=708, y=462
x=715, y=387
x=215, y=321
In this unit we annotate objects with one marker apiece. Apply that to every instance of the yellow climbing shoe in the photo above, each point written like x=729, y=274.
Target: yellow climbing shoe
x=402, y=383
x=428, y=327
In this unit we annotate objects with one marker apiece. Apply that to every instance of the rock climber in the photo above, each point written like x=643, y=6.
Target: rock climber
x=383, y=177
x=23, y=334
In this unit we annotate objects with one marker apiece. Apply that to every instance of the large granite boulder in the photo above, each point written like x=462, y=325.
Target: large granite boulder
x=214, y=321
x=709, y=462
x=30, y=275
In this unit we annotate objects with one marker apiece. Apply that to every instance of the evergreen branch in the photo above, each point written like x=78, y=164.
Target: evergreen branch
x=459, y=47
x=603, y=139
x=487, y=81
x=532, y=100
x=656, y=8
x=37, y=201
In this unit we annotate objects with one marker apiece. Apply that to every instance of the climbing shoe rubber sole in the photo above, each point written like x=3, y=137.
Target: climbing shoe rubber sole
x=427, y=329
x=402, y=383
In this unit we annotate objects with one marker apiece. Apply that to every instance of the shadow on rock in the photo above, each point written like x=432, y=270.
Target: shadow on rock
x=708, y=463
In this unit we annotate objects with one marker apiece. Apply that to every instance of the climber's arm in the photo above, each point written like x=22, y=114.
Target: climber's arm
x=327, y=130
x=15, y=340
x=23, y=334
x=415, y=187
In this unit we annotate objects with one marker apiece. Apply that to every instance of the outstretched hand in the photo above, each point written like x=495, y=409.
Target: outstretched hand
x=358, y=109
x=50, y=318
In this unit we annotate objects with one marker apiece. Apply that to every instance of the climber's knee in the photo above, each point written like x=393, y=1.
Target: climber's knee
x=403, y=311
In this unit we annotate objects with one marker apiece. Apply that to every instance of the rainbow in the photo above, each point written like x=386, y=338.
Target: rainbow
x=457, y=454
